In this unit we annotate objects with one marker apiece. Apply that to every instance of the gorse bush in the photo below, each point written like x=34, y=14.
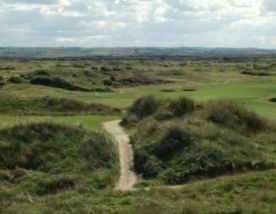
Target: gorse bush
x=160, y=109
x=57, y=157
x=173, y=140
x=178, y=143
x=35, y=146
x=144, y=106
x=231, y=115
x=181, y=106
x=2, y=82
x=55, y=82
x=15, y=80
x=273, y=100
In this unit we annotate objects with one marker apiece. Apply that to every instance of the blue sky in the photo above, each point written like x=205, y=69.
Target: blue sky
x=124, y=23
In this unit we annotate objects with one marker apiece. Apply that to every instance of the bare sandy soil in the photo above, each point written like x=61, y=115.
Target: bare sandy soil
x=127, y=175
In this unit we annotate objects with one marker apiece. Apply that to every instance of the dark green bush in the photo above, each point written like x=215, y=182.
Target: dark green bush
x=233, y=116
x=108, y=82
x=256, y=73
x=55, y=82
x=105, y=69
x=41, y=72
x=273, y=100
x=163, y=114
x=144, y=106
x=179, y=150
x=2, y=83
x=15, y=80
x=57, y=184
x=181, y=106
x=173, y=140
x=55, y=150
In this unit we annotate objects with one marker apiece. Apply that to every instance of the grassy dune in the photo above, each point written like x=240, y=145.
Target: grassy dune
x=54, y=157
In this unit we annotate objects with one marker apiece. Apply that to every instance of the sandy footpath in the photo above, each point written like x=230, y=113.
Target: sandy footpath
x=127, y=175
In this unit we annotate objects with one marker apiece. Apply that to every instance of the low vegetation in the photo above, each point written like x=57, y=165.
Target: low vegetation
x=46, y=158
x=257, y=73
x=52, y=106
x=177, y=141
x=273, y=100
x=56, y=82
x=49, y=167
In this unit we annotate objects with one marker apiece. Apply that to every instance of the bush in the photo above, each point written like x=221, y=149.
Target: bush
x=55, y=82
x=15, y=80
x=108, y=82
x=256, y=73
x=174, y=140
x=163, y=114
x=181, y=106
x=105, y=69
x=175, y=150
x=51, y=156
x=2, y=83
x=231, y=115
x=273, y=100
x=144, y=106
x=41, y=72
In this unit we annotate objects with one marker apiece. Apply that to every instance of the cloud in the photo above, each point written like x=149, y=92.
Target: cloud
x=235, y=23
x=270, y=5
x=32, y=1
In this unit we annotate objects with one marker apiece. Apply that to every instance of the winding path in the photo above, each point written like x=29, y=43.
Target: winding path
x=127, y=175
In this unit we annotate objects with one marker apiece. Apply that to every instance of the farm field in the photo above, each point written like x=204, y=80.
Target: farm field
x=202, y=132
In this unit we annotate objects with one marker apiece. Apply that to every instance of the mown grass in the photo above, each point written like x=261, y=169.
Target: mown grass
x=254, y=95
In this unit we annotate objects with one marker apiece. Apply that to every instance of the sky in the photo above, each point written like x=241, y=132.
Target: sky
x=138, y=23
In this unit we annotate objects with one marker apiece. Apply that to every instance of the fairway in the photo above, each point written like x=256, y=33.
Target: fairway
x=254, y=95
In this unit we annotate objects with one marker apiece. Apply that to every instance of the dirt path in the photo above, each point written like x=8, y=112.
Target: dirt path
x=127, y=175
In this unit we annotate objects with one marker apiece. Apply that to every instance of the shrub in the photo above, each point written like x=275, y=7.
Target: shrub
x=41, y=72
x=55, y=82
x=173, y=140
x=181, y=106
x=57, y=184
x=144, y=106
x=273, y=100
x=105, y=69
x=189, y=89
x=256, y=73
x=56, y=157
x=163, y=114
x=15, y=80
x=231, y=115
x=89, y=73
x=151, y=167
x=2, y=83
x=108, y=82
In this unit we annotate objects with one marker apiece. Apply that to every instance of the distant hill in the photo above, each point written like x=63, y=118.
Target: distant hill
x=132, y=52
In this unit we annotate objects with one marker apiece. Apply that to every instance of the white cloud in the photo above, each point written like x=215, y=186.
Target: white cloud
x=238, y=23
